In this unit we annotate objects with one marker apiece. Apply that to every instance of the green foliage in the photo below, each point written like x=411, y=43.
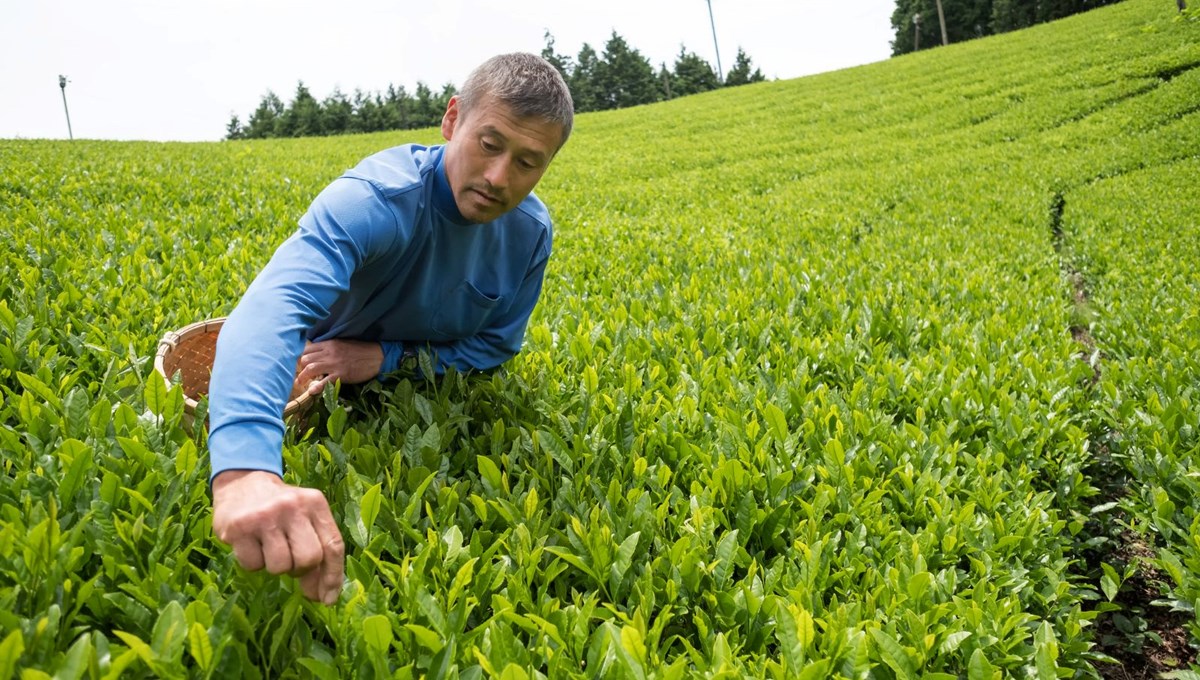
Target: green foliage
x=970, y=19
x=624, y=77
x=337, y=114
x=692, y=75
x=741, y=74
x=800, y=398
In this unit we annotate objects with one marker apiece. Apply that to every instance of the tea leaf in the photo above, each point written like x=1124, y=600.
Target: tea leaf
x=370, y=504
x=377, y=631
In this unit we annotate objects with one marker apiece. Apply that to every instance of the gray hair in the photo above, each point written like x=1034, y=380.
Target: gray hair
x=527, y=83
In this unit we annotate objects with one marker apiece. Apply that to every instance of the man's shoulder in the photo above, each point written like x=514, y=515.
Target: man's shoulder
x=533, y=211
x=529, y=222
x=396, y=170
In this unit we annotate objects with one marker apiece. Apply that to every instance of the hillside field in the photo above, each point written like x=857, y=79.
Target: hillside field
x=891, y=372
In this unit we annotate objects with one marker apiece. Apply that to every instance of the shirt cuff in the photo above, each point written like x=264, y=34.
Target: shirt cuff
x=393, y=352
x=247, y=445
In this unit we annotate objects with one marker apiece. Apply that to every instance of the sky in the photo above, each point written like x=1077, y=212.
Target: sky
x=166, y=70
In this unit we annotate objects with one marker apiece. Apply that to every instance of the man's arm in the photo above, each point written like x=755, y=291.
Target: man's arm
x=268, y=523
x=260, y=342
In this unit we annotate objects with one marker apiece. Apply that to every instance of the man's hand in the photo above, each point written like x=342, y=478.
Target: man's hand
x=351, y=361
x=287, y=529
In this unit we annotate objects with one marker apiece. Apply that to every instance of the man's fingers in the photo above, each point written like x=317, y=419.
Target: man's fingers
x=249, y=553
x=312, y=373
x=331, y=574
x=315, y=387
x=276, y=552
x=306, y=547
x=310, y=369
x=327, y=579
x=285, y=529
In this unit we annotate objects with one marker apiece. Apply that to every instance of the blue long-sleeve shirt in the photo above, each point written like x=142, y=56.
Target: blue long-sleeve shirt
x=382, y=254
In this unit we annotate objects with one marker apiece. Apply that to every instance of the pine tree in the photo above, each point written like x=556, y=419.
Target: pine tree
x=262, y=121
x=424, y=109
x=740, y=74
x=395, y=109
x=1011, y=15
x=664, y=79
x=335, y=113
x=561, y=62
x=302, y=118
x=624, y=76
x=233, y=130
x=583, y=82
x=368, y=112
x=692, y=74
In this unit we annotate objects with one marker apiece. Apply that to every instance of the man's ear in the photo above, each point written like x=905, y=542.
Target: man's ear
x=450, y=118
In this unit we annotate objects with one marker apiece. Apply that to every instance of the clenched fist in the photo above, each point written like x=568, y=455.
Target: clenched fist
x=286, y=529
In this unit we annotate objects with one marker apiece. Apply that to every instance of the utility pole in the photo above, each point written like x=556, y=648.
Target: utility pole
x=62, y=84
x=916, y=31
x=720, y=73
x=942, y=19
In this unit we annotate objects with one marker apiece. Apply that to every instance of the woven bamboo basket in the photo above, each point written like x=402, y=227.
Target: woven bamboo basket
x=189, y=351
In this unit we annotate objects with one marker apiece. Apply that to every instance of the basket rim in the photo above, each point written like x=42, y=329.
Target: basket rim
x=171, y=339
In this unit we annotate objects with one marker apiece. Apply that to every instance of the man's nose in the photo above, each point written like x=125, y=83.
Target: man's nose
x=496, y=172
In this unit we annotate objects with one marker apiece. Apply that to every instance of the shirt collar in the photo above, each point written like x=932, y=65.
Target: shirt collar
x=443, y=195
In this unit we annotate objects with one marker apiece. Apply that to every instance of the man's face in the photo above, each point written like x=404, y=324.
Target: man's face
x=493, y=157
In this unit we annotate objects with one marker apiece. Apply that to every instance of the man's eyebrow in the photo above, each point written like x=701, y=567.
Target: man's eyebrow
x=493, y=130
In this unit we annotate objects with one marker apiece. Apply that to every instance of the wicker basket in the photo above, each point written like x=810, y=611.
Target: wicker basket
x=190, y=351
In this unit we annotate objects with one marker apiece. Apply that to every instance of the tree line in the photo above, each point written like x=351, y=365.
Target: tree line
x=617, y=77
x=918, y=23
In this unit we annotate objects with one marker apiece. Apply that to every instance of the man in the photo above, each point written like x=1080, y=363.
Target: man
x=440, y=248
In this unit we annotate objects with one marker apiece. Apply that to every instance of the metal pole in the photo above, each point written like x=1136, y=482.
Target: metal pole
x=62, y=84
x=942, y=20
x=720, y=73
x=916, y=32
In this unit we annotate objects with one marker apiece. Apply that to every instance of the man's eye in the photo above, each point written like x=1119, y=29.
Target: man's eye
x=489, y=146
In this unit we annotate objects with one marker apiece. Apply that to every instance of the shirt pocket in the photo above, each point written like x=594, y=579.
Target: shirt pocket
x=464, y=311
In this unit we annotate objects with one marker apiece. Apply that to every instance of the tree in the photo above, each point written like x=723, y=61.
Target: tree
x=618, y=78
x=561, y=62
x=425, y=110
x=583, y=82
x=740, y=73
x=368, y=113
x=233, y=130
x=624, y=77
x=302, y=117
x=692, y=75
x=396, y=109
x=664, y=77
x=262, y=121
x=443, y=100
x=335, y=113
x=964, y=20
x=1011, y=15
